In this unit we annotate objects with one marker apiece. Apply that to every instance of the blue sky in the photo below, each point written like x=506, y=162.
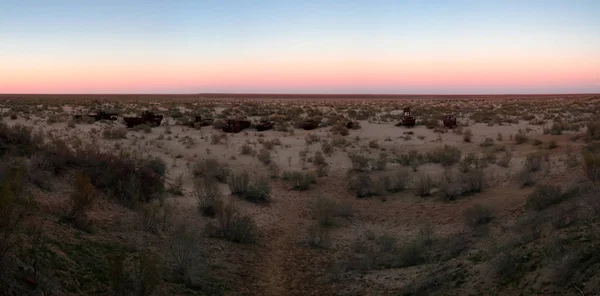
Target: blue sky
x=296, y=46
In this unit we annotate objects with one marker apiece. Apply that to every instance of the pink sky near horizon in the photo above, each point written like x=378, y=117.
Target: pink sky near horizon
x=256, y=75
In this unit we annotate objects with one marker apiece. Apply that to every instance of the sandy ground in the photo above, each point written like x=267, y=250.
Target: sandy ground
x=283, y=264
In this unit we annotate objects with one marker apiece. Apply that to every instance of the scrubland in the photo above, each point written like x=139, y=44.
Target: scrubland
x=507, y=203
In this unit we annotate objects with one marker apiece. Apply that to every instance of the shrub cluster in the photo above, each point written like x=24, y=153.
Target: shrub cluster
x=252, y=189
x=211, y=168
x=299, y=180
x=232, y=225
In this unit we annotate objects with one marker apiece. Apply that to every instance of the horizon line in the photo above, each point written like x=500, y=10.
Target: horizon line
x=295, y=94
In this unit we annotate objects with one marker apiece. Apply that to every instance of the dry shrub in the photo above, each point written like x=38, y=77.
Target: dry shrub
x=131, y=180
x=534, y=161
x=488, y=142
x=505, y=158
x=319, y=159
x=593, y=129
x=467, y=135
x=318, y=236
x=544, y=196
x=183, y=248
x=473, y=181
x=82, y=197
x=14, y=208
x=373, y=144
x=255, y=189
x=339, y=129
x=231, y=225
x=211, y=168
x=526, y=178
x=360, y=163
x=115, y=133
x=143, y=128
x=446, y=155
x=394, y=182
x=264, y=156
x=311, y=138
x=140, y=278
x=381, y=162
x=423, y=185
x=478, y=215
x=521, y=138
x=322, y=171
x=591, y=165
x=299, y=180
x=154, y=217
x=324, y=210
x=218, y=124
x=207, y=193
x=217, y=138
x=247, y=150
x=238, y=182
x=326, y=147
x=17, y=140
x=362, y=185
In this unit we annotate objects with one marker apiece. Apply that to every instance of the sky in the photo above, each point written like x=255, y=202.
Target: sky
x=282, y=46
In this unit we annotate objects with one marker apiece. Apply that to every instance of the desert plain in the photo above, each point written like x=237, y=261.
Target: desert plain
x=505, y=203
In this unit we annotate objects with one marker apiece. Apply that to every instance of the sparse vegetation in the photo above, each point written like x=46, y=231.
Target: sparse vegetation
x=83, y=214
x=544, y=196
x=255, y=189
x=211, y=168
x=207, y=193
x=231, y=225
x=115, y=133
x=478, y=215
x=299, y=180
